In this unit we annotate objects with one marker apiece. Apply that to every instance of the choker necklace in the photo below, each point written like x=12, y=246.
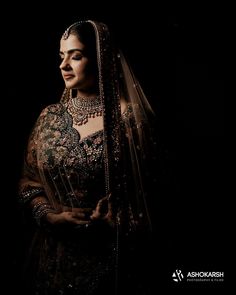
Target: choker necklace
x=83, y=108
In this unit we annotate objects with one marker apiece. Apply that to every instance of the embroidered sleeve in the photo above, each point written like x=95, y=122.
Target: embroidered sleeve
x=30, y=185
x=31, y=191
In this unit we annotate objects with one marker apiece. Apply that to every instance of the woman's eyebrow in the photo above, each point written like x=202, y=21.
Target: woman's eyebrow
x=71, y=51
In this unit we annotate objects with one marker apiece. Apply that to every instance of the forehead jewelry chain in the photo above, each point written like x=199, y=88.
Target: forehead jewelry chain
x=83, y=108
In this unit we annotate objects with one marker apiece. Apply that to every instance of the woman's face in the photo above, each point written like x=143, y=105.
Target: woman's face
x=76, y=67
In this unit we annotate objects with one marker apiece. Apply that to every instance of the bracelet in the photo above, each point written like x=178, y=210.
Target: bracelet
x=29, y=192
x=41, y=209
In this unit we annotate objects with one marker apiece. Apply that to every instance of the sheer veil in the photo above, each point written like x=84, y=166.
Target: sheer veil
x=116, y=81
x=141, y=141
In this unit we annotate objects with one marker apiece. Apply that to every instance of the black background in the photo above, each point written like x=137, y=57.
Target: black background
x=177, y=53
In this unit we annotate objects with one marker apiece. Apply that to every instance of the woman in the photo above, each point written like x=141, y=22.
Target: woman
x=86, y=173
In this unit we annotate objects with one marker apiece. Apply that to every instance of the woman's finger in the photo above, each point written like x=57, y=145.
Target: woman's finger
x=78, y=215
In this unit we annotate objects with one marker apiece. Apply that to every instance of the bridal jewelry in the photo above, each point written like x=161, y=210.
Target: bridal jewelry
x=83, y=108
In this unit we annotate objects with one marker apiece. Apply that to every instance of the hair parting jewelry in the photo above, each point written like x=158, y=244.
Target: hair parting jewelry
x=67, y=31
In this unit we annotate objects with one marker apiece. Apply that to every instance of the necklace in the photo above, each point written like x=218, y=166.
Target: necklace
x=83, y=108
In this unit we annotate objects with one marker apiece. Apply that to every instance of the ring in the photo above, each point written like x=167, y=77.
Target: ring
x=82, y=226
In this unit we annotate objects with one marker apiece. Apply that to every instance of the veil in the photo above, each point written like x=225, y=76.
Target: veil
x=129, y=149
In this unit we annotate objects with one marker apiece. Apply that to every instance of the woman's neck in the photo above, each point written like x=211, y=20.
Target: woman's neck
x=89, y=93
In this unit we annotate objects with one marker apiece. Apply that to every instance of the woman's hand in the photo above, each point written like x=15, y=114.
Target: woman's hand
x=78, y=216
x=103, y=211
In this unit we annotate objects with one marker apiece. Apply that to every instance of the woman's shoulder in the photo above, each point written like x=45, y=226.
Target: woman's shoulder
x=50, y=113
x=55, y=108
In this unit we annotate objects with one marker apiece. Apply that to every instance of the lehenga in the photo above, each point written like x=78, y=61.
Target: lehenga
x=79, y=260
x=83, y=256
x=76, y=173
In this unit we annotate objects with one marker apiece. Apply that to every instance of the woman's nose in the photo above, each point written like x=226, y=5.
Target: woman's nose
x=65, y=65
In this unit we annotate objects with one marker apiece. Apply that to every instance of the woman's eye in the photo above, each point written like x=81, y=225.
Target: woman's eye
x=77, y=57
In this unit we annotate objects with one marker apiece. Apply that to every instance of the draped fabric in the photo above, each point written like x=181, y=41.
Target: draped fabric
x=116, y=162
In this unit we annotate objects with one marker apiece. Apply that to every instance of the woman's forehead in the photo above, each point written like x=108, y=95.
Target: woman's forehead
x=72, y=42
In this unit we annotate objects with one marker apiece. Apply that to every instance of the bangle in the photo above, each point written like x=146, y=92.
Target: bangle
x=41, y=209
x=29, y=192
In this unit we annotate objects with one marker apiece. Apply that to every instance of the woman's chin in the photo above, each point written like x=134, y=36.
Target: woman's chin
x=70, y=83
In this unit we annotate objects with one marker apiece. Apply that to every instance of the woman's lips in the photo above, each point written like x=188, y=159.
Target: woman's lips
x=67, y=77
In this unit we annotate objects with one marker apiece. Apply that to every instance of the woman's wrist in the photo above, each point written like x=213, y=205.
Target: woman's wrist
x=51, y=217
x=41, y=208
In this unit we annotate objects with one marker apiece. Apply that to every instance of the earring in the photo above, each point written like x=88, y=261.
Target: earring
x=73, y=92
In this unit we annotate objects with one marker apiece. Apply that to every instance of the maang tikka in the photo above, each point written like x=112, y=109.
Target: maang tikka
x=67, y=31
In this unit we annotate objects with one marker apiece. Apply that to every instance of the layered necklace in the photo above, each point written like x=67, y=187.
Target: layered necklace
x=83, y=108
